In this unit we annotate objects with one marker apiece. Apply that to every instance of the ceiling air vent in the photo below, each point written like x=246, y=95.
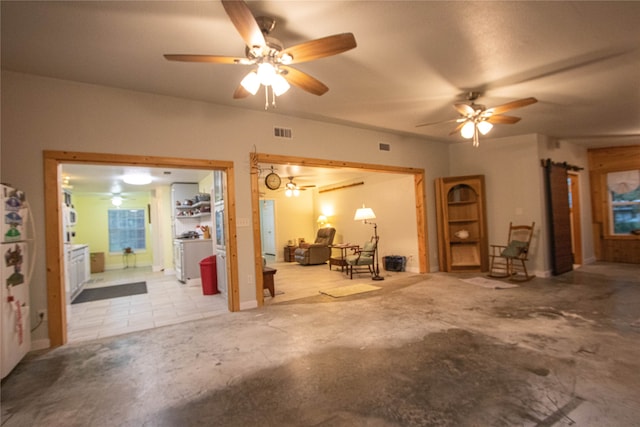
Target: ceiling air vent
x=282, y=132
x=384, y=147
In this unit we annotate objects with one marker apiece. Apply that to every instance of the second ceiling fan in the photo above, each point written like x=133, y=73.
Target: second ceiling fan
x=477, y=119
x=271, y=58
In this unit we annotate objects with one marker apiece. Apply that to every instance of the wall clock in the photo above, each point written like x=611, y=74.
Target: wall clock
x=272, y=181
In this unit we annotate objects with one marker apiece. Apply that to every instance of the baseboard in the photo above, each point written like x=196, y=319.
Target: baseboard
x=590, y=260
x=544, y=273
x=40, y=344
x=248, y=305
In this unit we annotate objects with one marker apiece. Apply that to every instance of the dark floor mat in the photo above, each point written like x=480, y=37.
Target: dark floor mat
x=108, y=292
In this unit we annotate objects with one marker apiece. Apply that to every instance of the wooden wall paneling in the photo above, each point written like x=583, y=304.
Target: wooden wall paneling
x=607, y=247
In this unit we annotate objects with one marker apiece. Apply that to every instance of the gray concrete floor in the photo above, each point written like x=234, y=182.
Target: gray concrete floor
x=424, y=350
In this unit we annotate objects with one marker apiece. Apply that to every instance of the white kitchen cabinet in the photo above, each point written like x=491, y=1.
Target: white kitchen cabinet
x=78, y=268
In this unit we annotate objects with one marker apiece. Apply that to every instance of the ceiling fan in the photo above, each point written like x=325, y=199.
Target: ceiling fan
x=292, y=189
x=271, y=58
x=477, y=118
x=117, y=198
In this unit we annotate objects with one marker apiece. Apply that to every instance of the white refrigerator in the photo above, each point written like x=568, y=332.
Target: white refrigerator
x=14, y=307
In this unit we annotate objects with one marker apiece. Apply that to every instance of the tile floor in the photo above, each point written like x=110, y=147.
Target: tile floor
x=166, y=302
x=169, y=302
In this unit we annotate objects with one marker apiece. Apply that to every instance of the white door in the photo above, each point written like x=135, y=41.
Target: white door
x=267, y=227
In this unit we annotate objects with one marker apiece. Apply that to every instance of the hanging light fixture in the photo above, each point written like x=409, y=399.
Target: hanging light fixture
x=484, y=127
x=268, y=75
x=291, y=188
x=468, y=129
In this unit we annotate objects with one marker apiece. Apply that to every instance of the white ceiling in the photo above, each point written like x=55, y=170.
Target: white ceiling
x=414, y=59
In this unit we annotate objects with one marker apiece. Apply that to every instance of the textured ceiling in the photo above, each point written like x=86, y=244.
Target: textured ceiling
x=414, y=59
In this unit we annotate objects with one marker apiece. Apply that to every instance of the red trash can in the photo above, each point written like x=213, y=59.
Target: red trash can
x=208, y=273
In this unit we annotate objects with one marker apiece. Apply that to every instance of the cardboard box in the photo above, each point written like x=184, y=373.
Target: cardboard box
x=97, y=262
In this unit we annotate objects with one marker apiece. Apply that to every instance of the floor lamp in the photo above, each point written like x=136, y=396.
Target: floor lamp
x=364, y=214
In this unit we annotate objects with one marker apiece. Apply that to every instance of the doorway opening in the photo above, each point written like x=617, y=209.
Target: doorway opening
x=574, y=215
x=419, y=193
x=53, y=160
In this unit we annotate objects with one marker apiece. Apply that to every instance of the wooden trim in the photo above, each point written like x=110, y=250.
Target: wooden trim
x=576, y=225
x=257, y=158
x=341, y=187
x=255, y=219
x=54, y=262
x=56, y=298
x=421, y=220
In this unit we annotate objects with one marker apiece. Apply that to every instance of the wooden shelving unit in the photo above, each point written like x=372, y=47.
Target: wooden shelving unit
x=462, y=229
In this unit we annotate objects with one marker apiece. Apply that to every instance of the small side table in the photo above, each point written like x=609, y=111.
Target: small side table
x=342, y=260
x=125, y=258
x=289, y=253
x=267, y=280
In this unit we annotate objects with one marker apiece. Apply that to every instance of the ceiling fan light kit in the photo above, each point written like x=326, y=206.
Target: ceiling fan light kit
x=270, y=56
x=477, y=119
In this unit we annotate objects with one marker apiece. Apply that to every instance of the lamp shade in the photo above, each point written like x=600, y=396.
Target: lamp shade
x=251, y=83
x=280, y=85
x=363, y=214
x=484, y=127
x=468, y=130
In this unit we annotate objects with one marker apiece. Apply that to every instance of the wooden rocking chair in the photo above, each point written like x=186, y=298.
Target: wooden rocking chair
x=509, y=261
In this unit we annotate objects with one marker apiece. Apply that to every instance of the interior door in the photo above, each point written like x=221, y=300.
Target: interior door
x=267, y=227
x=559, y=217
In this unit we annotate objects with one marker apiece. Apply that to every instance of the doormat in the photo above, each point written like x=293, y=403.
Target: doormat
x=109, y=292
x=488, y=283
x=344, y=291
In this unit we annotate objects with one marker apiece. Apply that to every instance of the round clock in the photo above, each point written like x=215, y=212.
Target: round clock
x=272, y=181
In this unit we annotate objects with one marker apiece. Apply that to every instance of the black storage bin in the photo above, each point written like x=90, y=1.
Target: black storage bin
x=394, y=262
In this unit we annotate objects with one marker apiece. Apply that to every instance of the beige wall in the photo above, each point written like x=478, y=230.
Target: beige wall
x=48, y=114
x=391, y=196
x=515, y=187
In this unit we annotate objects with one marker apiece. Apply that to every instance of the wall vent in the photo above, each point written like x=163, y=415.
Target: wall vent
x=385, y=147
x=282, y=133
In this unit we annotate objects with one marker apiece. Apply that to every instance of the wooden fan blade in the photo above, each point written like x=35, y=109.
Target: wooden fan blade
x=304, y=81
x=457, y=129
x=464, y=109
x=436, y=123
x=240, y=92
x=320, y=48
x=242, y=18
x=503, y=120
x=214, y=59
x=511, y=105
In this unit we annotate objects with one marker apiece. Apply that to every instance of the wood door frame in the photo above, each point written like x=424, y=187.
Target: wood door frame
x=576, y=223
x=54, y=247
x=419, y=190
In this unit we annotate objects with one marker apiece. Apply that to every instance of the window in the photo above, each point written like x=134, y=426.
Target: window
x=624, y=201
x=126, y=229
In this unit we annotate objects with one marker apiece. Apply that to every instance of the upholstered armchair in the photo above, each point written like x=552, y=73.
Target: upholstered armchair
x=317, y=252
x=362, y=259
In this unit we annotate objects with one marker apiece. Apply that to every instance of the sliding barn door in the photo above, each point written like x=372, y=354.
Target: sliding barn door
x=559, y=217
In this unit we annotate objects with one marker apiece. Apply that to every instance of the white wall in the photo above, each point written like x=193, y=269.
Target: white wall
x=391, y=196
x=515, y=184
x=48, y=114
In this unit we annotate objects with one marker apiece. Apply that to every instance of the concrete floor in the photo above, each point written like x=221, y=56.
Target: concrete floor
x=425, y=350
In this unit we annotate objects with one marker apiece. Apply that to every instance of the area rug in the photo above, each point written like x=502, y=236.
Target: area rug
x=488, y=283
x=344, y=291
x=108, y=292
